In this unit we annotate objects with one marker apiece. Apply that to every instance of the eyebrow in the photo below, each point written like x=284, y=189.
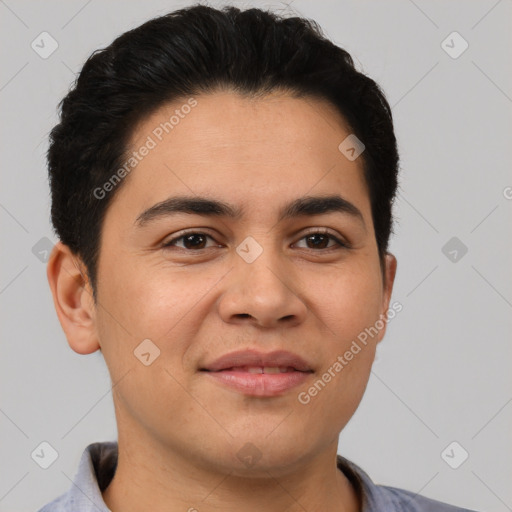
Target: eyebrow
x=303, y=206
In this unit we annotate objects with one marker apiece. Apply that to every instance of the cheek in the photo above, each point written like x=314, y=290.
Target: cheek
x=164, y=306
x=139, y=304
x=148, y=301
x=348, y=301
x=349, y=307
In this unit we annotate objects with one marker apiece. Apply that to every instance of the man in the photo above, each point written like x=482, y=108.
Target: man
x=222, y=187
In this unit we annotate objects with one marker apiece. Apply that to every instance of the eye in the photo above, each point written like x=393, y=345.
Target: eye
x=191, y=240
x=195, y=240
x=319, y=238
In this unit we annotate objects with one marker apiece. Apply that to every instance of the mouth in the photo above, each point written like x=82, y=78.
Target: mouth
x=255, y=374
x=259, y=381
x=258, y=369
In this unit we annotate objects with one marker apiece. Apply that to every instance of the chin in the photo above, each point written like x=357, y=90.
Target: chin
x=259, y=455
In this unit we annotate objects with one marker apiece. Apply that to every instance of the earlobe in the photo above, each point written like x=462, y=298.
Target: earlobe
x=73, y=300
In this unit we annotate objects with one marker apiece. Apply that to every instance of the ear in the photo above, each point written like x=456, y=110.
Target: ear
x=389, y=279
x=73, y=299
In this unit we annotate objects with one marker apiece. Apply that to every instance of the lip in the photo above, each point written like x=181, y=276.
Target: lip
x=257, y=358
x=231, y=371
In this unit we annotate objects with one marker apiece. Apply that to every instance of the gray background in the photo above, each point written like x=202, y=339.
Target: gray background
x=443, y=370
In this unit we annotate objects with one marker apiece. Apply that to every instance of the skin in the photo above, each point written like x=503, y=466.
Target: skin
x=179, y=432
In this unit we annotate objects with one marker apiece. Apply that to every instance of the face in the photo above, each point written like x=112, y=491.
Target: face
x=255, y=276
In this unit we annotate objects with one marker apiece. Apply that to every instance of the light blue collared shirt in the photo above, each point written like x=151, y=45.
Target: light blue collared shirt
x=99, y=461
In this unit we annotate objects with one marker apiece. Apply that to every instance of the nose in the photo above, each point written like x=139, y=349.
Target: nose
x=263, y=293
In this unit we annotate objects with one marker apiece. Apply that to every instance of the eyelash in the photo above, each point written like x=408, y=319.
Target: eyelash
x=325, y=232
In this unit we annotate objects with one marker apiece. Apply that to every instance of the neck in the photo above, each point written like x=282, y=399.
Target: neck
x=151, y=477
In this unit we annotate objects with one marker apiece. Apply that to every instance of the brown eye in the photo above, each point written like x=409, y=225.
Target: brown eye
x=321, y=239
x=318, y=241
x=191, y=241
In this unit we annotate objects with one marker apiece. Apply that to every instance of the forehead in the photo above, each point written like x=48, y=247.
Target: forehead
x=228, y=119
x=224, y=143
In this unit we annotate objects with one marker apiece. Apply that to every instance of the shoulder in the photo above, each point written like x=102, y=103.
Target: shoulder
x=408, y=501
x=59, y=504
x=95, y=471
x=383, y=498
